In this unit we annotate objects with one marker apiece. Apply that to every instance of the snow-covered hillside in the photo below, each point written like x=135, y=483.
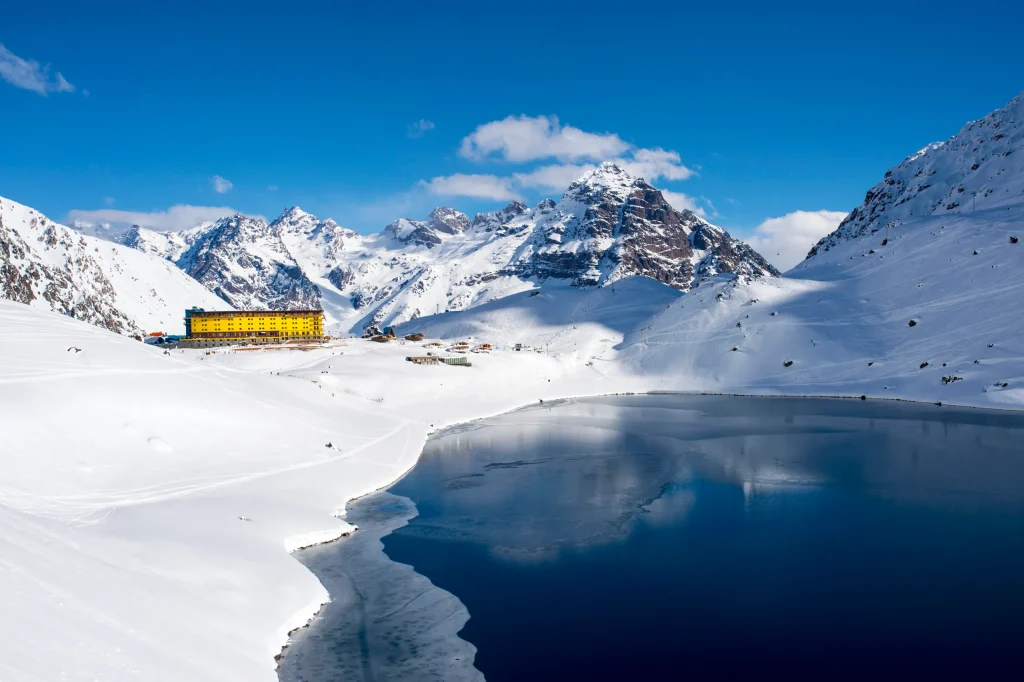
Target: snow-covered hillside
x=50, y=266
x=934, y=315
x=930, y=312
x=979, y=168
x=149, y=501
x=585, y=323
x=608, y=225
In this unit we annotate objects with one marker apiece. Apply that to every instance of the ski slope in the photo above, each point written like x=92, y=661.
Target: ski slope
x=149, y=501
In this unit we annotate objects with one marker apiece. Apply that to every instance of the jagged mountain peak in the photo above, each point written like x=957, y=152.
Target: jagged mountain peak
x=607, y=179
x=497, y=220
x=295, y=214
x=448, y=220
x=605, y=172
x=442, y=222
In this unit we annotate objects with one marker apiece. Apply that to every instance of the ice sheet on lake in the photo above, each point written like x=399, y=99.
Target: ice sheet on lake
x=384, y=621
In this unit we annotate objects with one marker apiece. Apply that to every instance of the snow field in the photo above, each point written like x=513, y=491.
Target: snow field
x=149, y=501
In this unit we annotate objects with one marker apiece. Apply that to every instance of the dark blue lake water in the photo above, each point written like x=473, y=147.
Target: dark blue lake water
x=662, y=537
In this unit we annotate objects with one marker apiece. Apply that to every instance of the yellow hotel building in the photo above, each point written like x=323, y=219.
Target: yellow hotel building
x=228, y=327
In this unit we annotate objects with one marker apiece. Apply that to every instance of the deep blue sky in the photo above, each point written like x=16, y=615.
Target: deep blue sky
x=777, y=110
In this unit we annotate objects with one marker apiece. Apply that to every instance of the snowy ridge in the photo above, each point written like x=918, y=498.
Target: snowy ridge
x=979, y=168
x=49, y=266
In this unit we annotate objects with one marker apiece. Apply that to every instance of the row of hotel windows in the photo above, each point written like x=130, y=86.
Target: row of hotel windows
x=231, y=335
x=250, y=326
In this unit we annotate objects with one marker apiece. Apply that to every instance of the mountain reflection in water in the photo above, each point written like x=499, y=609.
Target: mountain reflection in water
x=652, y=536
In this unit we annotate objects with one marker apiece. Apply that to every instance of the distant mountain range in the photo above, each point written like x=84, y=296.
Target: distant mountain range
x=607, y=225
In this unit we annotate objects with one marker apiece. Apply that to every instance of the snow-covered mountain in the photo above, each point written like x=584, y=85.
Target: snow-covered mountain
x=608, y=225
x=979, y=168
x=930, y=312
x=50, y=266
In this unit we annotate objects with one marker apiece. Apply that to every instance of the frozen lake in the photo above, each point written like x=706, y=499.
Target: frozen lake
x=662, y=537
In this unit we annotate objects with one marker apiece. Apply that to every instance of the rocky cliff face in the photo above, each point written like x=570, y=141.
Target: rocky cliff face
x=609, y=225
x=430, y=232
x=245, y=262
x=979, y=168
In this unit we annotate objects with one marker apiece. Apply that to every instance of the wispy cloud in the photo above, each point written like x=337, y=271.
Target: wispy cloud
x=556, y=177
x=553, y=177
x=683, y=202
x=178, y=217
x=652, y=164
x=109, y=201
x=28, y=74
x=220, y=185
x=471, y=185
x=524, y=138
x=785, y=240
x=272, y=188
x=420, y=127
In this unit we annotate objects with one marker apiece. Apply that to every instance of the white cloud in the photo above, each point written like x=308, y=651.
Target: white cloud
x=651, y=164
x=30, y=75
x=785, y=241
x=553, y=177
x=523, y=138
x=466, y=185
x=421, y=126
x=272, y=188
x=520, y=139
x=109, y=201
x=683, y=202
x=220, y=185
x=179, y=217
